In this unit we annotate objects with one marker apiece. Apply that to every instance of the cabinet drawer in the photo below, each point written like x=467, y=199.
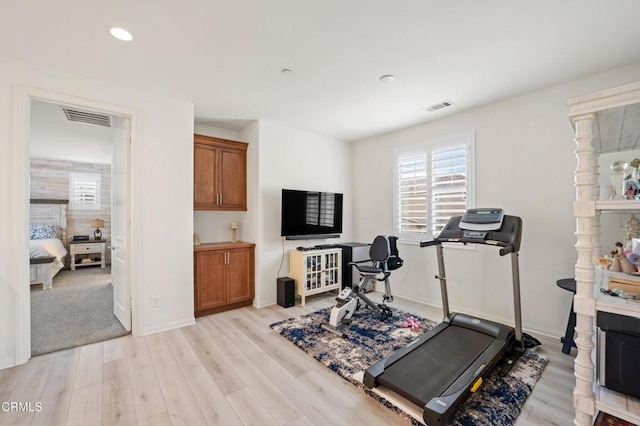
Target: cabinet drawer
x=87, y=248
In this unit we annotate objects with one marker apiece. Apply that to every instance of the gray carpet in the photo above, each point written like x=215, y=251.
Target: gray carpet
x=81, y=277
x=66, y=317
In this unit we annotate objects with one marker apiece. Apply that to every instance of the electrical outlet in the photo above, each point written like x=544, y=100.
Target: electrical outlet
x=155, y=302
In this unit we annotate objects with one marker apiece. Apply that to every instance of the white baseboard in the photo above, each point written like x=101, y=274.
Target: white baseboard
x=168, y=326
x=263, y=305
x=529, y=328
x=7, y=363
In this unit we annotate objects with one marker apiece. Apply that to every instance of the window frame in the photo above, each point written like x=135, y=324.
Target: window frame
x=97, y=180
x=427, y=148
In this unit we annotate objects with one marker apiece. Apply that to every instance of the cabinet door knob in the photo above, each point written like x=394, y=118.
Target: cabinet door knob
x=112, y=248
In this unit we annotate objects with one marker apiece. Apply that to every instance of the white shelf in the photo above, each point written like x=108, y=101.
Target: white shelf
x=617, y=305
x=617, y=404
x=618, y=205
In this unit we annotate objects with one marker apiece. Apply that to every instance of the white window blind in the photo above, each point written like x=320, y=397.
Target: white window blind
x=84, y=191
x=433, y=183
x=412, y=193
x=448, y=185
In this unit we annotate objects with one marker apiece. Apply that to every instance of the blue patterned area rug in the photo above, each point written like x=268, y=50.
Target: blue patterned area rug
x=368, y=340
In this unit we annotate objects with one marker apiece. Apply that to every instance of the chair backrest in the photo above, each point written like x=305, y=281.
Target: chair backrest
x=384, y=253
x=394, y=261
x=380, y=249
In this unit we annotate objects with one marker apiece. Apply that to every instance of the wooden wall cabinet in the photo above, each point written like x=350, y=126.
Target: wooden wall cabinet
x=224, y=276
x=220, y=174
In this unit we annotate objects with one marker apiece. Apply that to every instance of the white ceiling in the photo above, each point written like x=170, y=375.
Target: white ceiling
x=226, y=55
x=53, y=137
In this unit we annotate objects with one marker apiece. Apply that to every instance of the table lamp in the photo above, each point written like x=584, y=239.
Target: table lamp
x=98, y=223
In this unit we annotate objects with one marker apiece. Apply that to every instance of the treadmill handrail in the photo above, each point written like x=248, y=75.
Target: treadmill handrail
x=509, y=235
x=503, y=251
x=506, y=250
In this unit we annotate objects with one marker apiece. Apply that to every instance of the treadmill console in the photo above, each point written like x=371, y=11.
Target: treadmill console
x=481, y=226
x=475, y=235
x=483, y=219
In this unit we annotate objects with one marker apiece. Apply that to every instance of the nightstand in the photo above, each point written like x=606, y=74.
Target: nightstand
x=87, y=253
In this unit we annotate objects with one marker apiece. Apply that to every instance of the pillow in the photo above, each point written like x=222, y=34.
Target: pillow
x=41, y=232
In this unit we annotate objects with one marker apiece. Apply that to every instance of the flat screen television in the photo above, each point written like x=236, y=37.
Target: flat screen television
x=310, y=214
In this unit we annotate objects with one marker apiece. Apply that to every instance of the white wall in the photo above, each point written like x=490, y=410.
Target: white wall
x=524, y=164
x=162, y=200
x=294, y=159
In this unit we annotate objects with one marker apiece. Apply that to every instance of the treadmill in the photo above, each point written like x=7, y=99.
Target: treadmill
x=439, y=370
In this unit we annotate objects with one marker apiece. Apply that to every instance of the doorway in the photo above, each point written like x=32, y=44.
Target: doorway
x=124, y=119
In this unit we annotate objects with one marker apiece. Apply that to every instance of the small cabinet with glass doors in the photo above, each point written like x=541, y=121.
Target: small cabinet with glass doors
x=315, y=271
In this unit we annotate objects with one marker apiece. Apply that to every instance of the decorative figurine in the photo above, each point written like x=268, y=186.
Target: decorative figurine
x=234, y=232
x=632, y=230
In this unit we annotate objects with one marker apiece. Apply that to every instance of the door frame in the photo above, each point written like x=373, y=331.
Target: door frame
x=23, y=95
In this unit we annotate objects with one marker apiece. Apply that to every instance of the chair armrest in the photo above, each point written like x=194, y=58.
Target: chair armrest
x=359, y=261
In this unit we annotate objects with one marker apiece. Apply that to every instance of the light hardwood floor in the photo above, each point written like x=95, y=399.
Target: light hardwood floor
x=228, y=369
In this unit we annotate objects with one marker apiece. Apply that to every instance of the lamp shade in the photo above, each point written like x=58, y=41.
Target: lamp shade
x=98, y=223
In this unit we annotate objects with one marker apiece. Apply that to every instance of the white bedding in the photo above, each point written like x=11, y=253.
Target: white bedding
x=49, y=247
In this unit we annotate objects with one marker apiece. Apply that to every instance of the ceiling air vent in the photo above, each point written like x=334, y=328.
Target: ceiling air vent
x=436, y=107
x=87, y=117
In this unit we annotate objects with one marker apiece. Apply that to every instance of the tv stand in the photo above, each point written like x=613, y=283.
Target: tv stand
x=315, y=271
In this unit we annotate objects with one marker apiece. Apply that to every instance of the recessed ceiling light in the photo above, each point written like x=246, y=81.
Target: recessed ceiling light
x=286, y=71
x=387, y=78
x=121, y=33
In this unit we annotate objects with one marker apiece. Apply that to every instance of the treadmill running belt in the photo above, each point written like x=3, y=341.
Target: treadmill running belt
x=428, y=370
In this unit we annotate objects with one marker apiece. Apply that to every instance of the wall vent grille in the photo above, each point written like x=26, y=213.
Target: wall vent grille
x=436, y=107
x=87, y=117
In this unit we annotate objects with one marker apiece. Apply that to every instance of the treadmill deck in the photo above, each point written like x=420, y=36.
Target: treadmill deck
x=433, y=368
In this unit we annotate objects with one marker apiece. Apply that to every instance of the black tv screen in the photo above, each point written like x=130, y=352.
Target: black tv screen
x=311, y=214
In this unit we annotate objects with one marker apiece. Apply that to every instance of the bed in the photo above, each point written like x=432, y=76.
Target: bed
x=47, y=233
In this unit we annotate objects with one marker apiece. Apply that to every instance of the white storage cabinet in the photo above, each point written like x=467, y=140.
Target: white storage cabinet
x=315, y=271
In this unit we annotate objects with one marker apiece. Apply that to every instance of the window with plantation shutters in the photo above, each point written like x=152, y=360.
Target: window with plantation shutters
x=84, y=191
x=433, y=182
x=412, y=193
x=448, y=185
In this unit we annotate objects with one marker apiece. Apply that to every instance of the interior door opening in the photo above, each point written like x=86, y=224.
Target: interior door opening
x=95, y=268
